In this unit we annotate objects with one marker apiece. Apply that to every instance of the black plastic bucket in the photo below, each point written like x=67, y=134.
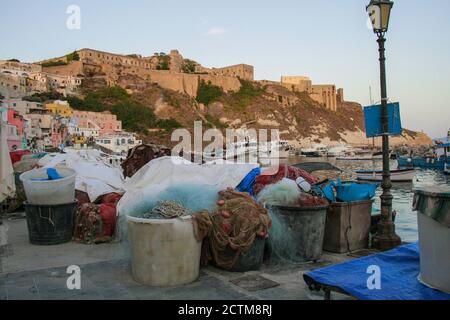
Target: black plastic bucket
x=305, y=228
x=50, y=224
x=253, y=259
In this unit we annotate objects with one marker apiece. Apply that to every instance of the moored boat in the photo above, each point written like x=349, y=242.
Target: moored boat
x=316, y=151
x=339, y=151
x=359, y=158
x=426, y=162
x=436, y=160
x=274, y=149
x=367, y=157
x=400, y=175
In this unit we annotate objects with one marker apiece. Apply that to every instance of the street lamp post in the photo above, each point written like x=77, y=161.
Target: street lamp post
x=386, y=238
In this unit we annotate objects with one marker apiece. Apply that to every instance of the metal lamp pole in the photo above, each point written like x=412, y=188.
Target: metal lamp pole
x=386, y=238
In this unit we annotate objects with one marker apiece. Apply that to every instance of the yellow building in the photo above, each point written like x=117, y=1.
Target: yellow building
x=79, y=139
x=61, y=108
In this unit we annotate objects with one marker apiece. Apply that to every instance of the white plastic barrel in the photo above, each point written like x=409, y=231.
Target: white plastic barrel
x=163, y=252
x=49, y=192
x=433, y=206
x=434, y=241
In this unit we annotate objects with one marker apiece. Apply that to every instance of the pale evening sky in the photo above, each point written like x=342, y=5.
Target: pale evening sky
x=328, y=41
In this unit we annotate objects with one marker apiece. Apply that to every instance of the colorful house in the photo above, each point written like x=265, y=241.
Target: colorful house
x=14, y=128
x=59, y=131
x=17, y=120
x=61, y=108
x=105, y=121
x=118, y=143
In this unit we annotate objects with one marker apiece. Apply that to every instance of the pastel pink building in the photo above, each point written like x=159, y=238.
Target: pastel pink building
x=107, y=121
x=59, y=133
x=15, y=128
x=17, y=120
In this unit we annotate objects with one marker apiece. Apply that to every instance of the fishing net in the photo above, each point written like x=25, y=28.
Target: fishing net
x=276, y=174
x=96, y=223
x=286, y=192
x=89, y=225
x=166, y=210
x=191, y=198
x=230, y=231
x=283, y=242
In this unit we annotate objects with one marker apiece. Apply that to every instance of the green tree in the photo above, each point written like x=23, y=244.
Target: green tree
x=246, y=94
x=54, y=63
x=163, y=62
x=207, y=92
x=135, y=117
x=168, y=124
x=188, y=66
x=74, y=56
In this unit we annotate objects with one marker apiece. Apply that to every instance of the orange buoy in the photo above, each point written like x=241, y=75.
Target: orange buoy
x=225, y=214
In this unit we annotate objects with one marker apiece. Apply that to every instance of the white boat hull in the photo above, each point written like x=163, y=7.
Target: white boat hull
x=371, y=158
x=280, y=154
x=396, y=175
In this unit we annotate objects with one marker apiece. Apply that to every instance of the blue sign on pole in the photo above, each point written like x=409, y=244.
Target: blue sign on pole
x=372, y=118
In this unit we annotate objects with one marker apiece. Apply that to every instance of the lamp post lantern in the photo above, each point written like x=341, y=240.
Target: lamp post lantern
x=379, y=12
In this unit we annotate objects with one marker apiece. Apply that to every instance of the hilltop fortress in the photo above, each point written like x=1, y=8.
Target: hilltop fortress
x=134, y=72
x=172, y=71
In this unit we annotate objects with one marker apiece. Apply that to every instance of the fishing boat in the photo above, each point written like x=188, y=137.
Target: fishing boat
x=426, y=162
x=339, y=151
x=400, y=175
x=248, y=150
x=437, y=160
x=274, y=149
x=316, y=151
x=369, y=157
x=316, y=166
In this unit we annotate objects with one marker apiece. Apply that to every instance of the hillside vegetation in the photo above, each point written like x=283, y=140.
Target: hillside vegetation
x=155, y=112
x=135, y=116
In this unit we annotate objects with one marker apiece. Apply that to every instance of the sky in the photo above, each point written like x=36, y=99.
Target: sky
x=329, y=41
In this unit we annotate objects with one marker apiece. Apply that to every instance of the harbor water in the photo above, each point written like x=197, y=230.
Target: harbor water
x=406, y=220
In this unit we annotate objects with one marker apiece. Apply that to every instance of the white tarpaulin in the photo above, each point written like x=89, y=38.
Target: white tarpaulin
x=161, y=173
x=7, y=184
x=94, y=176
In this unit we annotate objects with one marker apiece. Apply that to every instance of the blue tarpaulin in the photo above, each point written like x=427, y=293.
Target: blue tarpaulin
x=347, y=191
x=247, y=183
x=399, y=270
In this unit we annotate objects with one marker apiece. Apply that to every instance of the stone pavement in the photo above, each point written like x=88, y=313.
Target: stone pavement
x=112, y=280
x=39, y=272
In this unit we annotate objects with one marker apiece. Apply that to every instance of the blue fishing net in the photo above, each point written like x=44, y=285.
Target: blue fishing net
x=192, y=197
